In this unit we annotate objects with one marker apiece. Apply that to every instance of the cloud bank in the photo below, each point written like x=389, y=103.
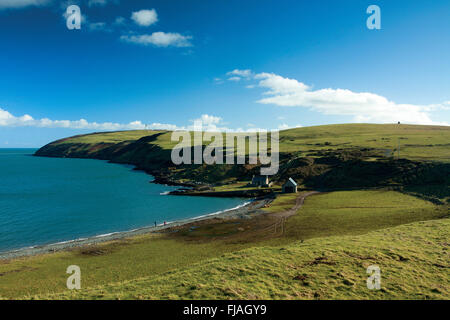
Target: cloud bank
x=9, y=120
x=361, y=106
x=208, y=122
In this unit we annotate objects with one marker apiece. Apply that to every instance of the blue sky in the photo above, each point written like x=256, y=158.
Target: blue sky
x=239, y=65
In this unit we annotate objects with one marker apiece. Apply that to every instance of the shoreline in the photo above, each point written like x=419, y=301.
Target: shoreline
x=243, y=211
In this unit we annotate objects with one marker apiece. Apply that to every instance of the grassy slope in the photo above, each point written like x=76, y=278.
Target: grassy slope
x=416, y=142
x=357, y=212
x=413, y=259
x=152, y=256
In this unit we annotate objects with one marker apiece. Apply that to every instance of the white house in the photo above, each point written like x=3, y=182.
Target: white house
x=290, y=186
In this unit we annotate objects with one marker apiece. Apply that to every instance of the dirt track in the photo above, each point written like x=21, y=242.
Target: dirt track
x=261, y=226
x=279, y=225
x=298, y=204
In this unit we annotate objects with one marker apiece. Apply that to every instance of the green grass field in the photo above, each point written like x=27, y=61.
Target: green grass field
x=416, y=142
x=336, y=224
x=413, y=260
x=357, y=212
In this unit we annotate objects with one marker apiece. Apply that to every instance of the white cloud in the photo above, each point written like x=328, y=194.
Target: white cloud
x=9, y=120
x=285, y=126
x=237, y=75
x=208, y=119
x=361, y=106
x=280, y=85
x=441, y=106
x=160, y=39
x=240, y=73
x=15, y=4
x=208, y=123
x=145, y=18
x=215, y=124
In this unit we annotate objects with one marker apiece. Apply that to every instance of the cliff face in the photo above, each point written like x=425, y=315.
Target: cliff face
x=143, y=153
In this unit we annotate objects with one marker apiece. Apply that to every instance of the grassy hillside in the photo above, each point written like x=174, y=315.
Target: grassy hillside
x=155, y=257
x=413, y=260
x=416, y=142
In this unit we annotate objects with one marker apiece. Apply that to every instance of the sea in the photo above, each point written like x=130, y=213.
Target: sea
x=51, y=200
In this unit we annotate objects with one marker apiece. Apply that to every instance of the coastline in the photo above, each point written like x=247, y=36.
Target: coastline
x=242, y=211
x=254, y=202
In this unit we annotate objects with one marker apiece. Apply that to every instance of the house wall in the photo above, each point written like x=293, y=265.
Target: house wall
x=289, y=188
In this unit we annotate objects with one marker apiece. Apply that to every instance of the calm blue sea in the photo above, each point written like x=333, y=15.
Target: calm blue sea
x=49, y=200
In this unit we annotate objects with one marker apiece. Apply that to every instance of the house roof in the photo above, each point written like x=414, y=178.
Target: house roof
x=291, y=181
